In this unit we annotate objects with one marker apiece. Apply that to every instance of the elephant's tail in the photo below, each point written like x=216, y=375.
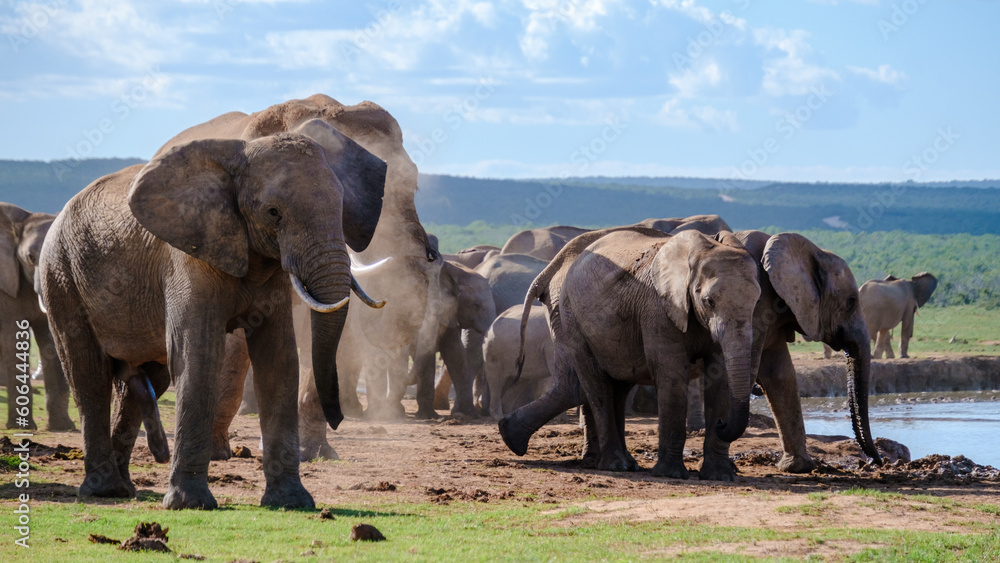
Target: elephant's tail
x=534, y=292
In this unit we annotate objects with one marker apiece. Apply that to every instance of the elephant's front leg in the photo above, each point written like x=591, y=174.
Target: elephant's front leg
x=671, y=380
x=276, y=381
x=715, y=464
x=777, y=378
x=196, y=344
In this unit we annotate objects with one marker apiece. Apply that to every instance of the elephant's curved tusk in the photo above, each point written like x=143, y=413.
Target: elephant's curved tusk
x=364, y=296
x=359, y=269
x=42, y=305
x=311, y=301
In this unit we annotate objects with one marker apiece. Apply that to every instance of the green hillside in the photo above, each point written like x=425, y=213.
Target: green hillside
x=47, y=186
x=915, y=208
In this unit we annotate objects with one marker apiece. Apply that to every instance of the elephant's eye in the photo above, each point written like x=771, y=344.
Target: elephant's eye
x=852, y=302
x=710, y=302
x=31, y=259
x=273, y=212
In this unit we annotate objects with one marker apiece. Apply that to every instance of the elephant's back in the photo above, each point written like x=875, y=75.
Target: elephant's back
x=226, y=126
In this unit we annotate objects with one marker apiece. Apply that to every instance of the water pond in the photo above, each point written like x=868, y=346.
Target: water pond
x=966, y=423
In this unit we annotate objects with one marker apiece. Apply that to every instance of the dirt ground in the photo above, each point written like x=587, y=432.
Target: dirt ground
x=464, y=460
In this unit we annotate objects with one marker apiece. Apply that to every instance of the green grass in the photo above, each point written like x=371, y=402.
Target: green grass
x=458, y=532
x=975, y=331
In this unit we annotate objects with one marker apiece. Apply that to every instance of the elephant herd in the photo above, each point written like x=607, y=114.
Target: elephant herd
x=251, y=243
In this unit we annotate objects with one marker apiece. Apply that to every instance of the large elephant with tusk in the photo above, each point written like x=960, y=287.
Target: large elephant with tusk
x=147, y=270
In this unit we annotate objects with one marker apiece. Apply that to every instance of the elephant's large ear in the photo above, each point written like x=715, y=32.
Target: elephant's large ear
x=793, y=266
x=924, y=285
x=10, y=267
x=673, y=275
x=186, y=197
x=360, y=172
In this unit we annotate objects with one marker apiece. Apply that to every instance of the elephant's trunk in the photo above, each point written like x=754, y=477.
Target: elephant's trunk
x=736, y=350
x=330, y=282
x=857, y=348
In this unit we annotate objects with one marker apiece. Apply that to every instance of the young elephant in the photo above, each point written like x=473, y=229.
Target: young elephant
x=500, y=353
x=886, y=303
x=21, y=237
x=468, y=312
x=640, y=309
x=147, y=269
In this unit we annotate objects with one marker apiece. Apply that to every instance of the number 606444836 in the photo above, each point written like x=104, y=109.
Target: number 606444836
x=22, y=338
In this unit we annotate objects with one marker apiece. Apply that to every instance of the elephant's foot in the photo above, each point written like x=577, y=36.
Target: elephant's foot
x=514, y=437
x=617, y=462
x=590, y=460
x=796, y=464
x=221, y=450
x=287, y=493
x=465, y=408
x=314, y=448
x=426, y=414
x=106, y=485
x=193, y=493
x=671, y=468
x=327, y=452
x=60, y=424
x=717, y=469
x=351, y=408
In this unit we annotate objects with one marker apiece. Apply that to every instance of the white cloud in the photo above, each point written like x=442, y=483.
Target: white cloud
x=100, y=31
x=693, y=82
x=884, y=74
x=546, y=16
x=672, y=114
x=790, y=74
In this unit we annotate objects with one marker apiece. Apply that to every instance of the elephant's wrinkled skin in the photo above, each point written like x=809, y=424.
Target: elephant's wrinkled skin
x=21, y=236
x=147, y=269
x=640, y=309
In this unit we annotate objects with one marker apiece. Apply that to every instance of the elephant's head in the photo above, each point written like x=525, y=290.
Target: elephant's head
x=21, y=236
x=819, y=290
x=283, y=197
x=716, y=285
x=476, y=310
x=923, y=285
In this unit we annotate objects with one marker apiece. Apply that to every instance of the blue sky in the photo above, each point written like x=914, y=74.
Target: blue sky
x=828, y=90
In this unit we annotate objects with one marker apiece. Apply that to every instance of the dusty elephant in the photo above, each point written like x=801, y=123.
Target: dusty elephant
x=21, y=236
x=376, y=343
x=889, y=302
x=146, y=270
x=639, y=309
x=465, y=317
x=500, y=354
